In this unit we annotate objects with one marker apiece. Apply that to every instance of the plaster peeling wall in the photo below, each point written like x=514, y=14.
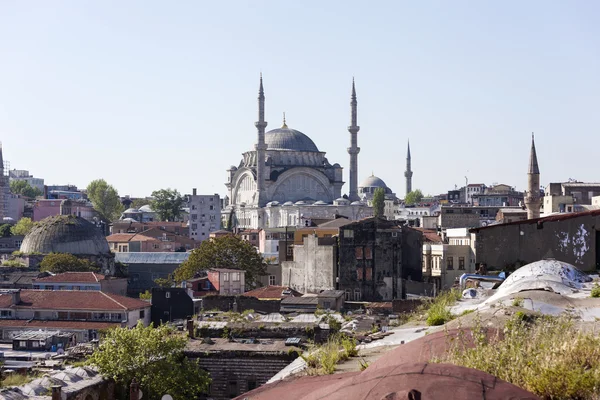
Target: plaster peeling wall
x=579, y=241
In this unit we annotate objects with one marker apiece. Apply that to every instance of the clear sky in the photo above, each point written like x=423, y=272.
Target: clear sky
x=150, y=94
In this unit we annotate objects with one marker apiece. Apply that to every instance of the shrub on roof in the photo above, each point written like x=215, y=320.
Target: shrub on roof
x=548, y=356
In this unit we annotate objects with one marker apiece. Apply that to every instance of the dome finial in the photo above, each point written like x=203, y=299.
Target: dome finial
x=284, y=126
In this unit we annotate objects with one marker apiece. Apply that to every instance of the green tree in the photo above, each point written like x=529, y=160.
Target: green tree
x=64, y=262
x=167, y=204
x=224, y=252
x=154, y=357
x=137, y=203
x=24, y=189
x=379, y=202
x=22, y=227
x=5, y=230
x=413, y=197
x=147, y=295
x=105, y=199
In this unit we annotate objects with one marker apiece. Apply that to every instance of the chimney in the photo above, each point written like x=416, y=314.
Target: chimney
x=194, y=191
x=134, y=390
x=190, y=328
x=56, y=392
x=16, y=296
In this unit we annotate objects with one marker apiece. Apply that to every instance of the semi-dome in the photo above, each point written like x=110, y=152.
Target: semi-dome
x=65, y=234
x=289, y=139
x=373, y=181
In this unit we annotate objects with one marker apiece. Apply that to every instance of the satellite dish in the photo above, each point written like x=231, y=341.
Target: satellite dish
x=60, y=351
x=167, y=397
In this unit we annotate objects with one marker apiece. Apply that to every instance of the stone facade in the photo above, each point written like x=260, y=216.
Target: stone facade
x=314, y=267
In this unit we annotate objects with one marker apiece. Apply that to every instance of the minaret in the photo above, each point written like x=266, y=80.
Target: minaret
x=532, y=200
x=408, y=173
x=260, y=147
x=3, y=189
x=353, y=150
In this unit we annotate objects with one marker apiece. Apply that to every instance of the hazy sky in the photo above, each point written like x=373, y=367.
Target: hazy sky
x=149, y=94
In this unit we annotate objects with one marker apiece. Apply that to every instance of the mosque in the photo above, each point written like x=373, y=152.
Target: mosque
x=287, y=181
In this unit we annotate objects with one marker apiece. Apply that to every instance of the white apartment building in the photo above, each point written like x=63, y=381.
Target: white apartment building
x=205, y=215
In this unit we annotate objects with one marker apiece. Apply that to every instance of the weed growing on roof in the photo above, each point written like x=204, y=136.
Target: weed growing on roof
x=517, y=302
x=438, y=312
x=322, y=359
x=595, y=290
x=545, y=355
x=466, y=312
x=363, y=364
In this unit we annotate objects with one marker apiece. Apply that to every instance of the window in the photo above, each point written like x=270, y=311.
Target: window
x=368, y=253
x=22, y=343
x=35, y=344
x=194, y=206
x=461, y=263
x=211, y=207
x=327, y=305
x=348, y=294
x=6, y=313
x=272, y=280
x=235, y=276
x=356, y=294
x=155, y=246
x=225, y=277
x=450, y=263
x=348, y=233
x=359, y=253
x=194, y=227
x=142, y=313
x=232, y=388
x=251, y=385
x=167, y=295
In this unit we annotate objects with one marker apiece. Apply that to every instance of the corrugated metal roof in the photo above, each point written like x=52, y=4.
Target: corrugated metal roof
x=151, y=258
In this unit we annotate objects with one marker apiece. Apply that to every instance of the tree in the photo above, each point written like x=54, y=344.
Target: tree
x=413, y=197
x=154, y=357
x=379, y=202
x=224, y=252
x=24, y=189
x=147, y=295
x=167, y=204
x=22, y=227
x=64, y=262
x=5, y=230
x=105, y=199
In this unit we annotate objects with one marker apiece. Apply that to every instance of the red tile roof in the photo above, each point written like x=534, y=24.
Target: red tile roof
x=429, y=235
x=73, y=277
x=91, y=300
x=272, y=292
x=23, y=323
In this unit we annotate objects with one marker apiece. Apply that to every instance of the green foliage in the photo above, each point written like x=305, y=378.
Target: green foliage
x=517, y=302
x=16, y=379
x=22, y=227
x=363, y=364
x=334, y=324
x=23, y=188
x=413, y=197
x=165, y=282
x=6, y=230
x=167, y=204
x=224, y=252
x=595, y=290
x=64, y=262
x=154, y=357
x=379, y=202
x=349, y=345
x=105, y=199
x=438, y=312
x=13, y=264
x=548, y=356
x=467, y=312
x=147, y=295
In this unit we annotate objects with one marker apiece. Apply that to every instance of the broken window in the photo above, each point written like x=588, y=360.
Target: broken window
x=359, y=253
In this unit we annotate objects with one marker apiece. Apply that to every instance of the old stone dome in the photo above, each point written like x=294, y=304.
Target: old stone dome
x=289, y=139
x=65, y=234
x=373, y=181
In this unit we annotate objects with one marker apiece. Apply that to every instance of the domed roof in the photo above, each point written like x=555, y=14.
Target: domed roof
x=131, y=211
x=373, y=181
x=289, y=139
x=65, y=234
x=146, y=209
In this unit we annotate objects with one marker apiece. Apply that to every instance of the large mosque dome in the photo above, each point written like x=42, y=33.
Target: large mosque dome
x=373, y=182
x=289, y=139
x=65, y=234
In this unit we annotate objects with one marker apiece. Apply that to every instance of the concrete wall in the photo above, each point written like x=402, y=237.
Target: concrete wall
x=571, y=239
x=225, y=303
x=314, y=266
